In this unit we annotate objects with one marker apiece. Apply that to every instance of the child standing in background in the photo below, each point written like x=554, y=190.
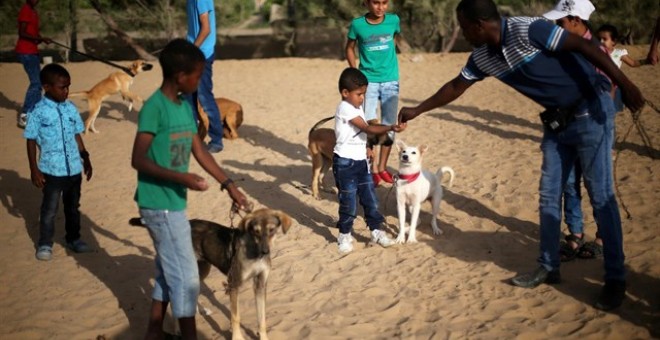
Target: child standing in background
x=55, y=126
x=609, y=35
x=374, y=35
x=350, y=166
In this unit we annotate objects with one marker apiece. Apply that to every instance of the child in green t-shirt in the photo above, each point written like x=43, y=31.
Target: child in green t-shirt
x=166, y=137
x=374, y=35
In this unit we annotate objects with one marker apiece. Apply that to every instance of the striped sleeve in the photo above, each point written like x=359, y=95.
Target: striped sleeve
x=545, y=35
x=470, y=72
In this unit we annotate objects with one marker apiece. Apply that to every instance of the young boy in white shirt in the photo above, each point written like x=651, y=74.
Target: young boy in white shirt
x=350, y=162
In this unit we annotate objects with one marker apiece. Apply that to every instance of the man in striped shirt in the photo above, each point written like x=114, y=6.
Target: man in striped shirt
x=555, y=69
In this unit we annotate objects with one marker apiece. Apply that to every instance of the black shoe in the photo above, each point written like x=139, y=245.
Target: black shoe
x=535, y=278
x=612, y=295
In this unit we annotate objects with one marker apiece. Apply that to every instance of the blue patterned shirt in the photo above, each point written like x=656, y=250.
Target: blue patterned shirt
x=54, y=127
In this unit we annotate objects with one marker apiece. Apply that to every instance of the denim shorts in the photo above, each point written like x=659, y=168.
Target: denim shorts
x=177, y=276
x=387, y=94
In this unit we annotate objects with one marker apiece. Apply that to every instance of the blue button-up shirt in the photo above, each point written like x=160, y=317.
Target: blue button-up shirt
x=54, y=127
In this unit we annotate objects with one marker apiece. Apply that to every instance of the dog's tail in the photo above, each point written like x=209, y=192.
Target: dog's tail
x=441, y=173
x=136, y=222
x=320, y=122
x=83, y=94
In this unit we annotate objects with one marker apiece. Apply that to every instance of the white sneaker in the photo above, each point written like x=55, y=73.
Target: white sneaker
x=22, y=120
x=44, y=253
x=378, y=236
x=345, y=243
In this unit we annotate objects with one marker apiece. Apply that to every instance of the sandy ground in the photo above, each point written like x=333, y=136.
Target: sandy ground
x=452, y=286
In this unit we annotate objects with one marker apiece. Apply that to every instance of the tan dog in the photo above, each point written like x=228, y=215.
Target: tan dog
x=117, y=82
x=242, y=254
x=321, y=145
x=231, y=114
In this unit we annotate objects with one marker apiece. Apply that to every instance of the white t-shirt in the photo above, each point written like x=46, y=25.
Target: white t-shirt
x=617, y=54
x=351, y=142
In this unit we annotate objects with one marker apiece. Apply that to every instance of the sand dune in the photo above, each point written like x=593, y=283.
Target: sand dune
x=448, y=286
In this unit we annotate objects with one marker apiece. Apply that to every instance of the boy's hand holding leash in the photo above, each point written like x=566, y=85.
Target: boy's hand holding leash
x=240, y=201
x=399, y=127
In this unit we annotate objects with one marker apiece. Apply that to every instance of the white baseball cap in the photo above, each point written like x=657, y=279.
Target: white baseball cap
x=575, y=8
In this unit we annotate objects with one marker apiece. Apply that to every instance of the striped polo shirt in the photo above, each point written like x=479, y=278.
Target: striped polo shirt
x=529, y=60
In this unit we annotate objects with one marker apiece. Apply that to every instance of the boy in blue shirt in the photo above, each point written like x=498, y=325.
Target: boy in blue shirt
x=374, y=35
x=55, y=126
x=202, y=33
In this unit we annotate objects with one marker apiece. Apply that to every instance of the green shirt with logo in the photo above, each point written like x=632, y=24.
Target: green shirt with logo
x=376, y=47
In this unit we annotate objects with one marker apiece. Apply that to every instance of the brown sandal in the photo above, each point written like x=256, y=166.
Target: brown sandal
x=566, y=250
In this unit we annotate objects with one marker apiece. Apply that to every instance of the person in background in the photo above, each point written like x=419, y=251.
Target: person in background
x=27, y=52
x=202, y=33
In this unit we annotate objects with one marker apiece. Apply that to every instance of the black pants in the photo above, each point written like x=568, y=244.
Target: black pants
x=67, y=187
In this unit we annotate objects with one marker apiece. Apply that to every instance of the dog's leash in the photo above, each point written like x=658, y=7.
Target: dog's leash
x=123, y=68
x=636, y=123
x=236, y=211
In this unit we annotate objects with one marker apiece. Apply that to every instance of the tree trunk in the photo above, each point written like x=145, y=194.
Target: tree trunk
x=112, y=25
x=452, y=39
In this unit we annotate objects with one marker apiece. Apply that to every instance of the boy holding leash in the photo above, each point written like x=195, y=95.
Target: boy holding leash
x=374, y=35
x=55, y=126
x=350, y=166
x=166, y=137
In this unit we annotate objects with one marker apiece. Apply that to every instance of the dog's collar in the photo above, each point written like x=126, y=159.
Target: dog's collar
x=408, y=178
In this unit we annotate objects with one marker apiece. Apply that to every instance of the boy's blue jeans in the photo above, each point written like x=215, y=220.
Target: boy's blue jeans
x=67, y=188
x=387, y=94
x=177, y=276
x=32, y=67
x=588, y=140
x=354, y=181
x=204, y=95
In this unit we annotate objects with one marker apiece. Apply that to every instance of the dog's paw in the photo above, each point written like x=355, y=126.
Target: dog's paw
x=437, y=231
x=400, y=239
x=412, y=240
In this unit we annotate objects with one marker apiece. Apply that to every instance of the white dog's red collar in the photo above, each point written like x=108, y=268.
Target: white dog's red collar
x=408, y=178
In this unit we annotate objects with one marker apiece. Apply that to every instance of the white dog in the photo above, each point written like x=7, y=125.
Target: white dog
x=414, y=186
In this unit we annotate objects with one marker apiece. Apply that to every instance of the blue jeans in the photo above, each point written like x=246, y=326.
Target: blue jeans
x=177, y=276
x=354, y=181
x=388, y=95
x=573, y=200
x=587, y=140
x=32, y=67
x=67, y=188
x=204, y=95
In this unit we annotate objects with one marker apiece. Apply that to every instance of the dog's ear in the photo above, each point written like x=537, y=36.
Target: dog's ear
x=423, y=148
x=400, y=145
x=243, y=225
x=285, y=220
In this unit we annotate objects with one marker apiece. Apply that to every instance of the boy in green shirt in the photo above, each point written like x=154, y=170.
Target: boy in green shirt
x=374, y=35
x=166, y=137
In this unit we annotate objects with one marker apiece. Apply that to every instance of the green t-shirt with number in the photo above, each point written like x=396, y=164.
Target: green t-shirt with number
x=173, y=128
x=376, y=47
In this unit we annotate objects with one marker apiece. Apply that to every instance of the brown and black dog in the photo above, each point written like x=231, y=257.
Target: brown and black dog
x=321, y=145
x=241, y=254
x=231, y=114
x=117, y=82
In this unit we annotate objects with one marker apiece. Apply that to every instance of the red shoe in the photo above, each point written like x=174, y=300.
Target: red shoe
x=376, y=178
x=386, y=176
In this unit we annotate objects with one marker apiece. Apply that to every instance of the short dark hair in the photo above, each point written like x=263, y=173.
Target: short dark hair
x=51, y=72
x=179, y=55
x=476, y=10
x=614, y=33
x=351, y=79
